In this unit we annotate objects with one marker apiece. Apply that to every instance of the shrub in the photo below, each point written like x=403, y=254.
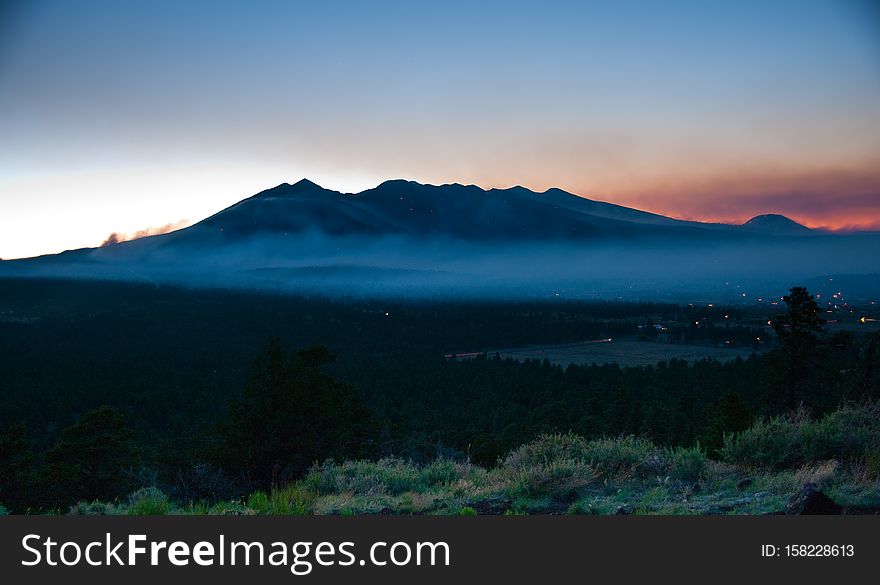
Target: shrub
x=294, y=499
x=92, y=509
x=589, y=508
x=820, y=474
x=445, y=471
x=389, y=476
x=259, y=502
x=609, y=458
x=546, y=449
x=220, y=509
x=363, y=477
x=652, y=499
x=560, y=479
x=3, y=511
x=689, y=464
x=872, y=464
x=149, y=501
x=626, y=457
x=790, y=441
x=552, y=466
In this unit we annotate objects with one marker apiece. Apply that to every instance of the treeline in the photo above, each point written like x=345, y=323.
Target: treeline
x=171, y=358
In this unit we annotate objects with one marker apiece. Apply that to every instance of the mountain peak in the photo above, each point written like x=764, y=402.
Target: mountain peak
x=769, y=217
x=287, y=189
x=305, y=184
x=775, y=223
x=396, y=183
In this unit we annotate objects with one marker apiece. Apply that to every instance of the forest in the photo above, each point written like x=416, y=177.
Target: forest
x=211, y=395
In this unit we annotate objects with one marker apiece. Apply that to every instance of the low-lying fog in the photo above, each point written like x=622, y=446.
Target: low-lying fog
x=400, y=266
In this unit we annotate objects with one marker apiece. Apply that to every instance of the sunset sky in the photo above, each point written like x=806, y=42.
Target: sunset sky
x=124, y=116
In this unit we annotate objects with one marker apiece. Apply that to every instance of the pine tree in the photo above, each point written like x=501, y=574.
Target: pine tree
x=16, y=469
x=290, y=416
x=792, y=364
x=93, y=460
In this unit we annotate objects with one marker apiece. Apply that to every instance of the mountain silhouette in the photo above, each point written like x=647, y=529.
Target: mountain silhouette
x=461, y=212
x=773, y=223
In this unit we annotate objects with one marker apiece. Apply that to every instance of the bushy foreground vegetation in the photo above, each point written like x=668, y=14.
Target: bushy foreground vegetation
x=758, y=470
x=849, y=435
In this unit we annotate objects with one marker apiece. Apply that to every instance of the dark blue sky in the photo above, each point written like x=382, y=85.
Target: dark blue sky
x=117, y=116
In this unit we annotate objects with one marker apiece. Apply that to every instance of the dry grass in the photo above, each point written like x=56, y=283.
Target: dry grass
x=821, y=474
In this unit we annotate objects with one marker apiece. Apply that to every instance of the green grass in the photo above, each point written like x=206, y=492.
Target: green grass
x=292, y=500
x=149, y=502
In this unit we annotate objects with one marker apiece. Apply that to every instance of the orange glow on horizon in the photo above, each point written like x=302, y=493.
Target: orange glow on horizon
x=842, y=223
x=841, y=200
x=835, y=199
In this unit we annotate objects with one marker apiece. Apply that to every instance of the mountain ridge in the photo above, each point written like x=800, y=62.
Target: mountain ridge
x=469, y=212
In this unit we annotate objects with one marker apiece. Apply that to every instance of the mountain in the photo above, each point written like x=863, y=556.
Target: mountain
x=773, y=223
x=403, y=236
x=460, y=212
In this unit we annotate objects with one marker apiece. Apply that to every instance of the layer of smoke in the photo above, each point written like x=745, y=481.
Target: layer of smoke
x=315, y=263
x=119, y=237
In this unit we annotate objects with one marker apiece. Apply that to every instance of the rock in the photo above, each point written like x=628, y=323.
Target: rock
x=810, y=501
x=744, y=483
x=624, y=510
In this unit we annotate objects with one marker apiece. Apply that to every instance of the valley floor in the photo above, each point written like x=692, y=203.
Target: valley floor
x=625, y=352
